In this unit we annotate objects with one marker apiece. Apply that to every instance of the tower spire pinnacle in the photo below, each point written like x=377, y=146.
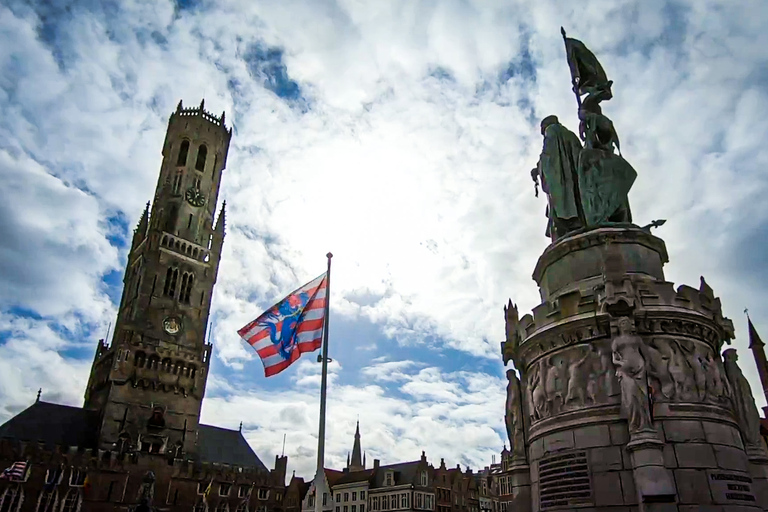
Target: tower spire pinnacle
x=758, y=352
x=356, y=464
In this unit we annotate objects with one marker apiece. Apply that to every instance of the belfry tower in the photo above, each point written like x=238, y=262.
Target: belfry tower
x=149, y=382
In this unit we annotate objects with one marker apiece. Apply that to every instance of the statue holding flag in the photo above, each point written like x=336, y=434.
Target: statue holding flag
x=586, y=187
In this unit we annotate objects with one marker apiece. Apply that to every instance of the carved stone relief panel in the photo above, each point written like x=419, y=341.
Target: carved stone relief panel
x=579, y=376
x=685, y=370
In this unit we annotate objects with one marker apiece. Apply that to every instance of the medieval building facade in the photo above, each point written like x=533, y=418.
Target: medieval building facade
x=137, y=443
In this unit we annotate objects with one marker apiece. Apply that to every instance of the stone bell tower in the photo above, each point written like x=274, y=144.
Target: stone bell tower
x=149, y=382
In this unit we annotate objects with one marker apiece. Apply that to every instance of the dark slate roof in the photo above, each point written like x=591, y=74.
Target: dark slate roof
x=404, y=472
x=224, y=446
x=53, y=424
x=355, y=476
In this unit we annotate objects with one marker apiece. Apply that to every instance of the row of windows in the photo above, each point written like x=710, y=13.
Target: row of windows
x=171, y=279
x=202, y=155
x=48, y=501
x=187, y=249
x=346, y=508
x=223, y=506
x=391, y=502
x=140, y=360
x=242, y=491
x=346, y=496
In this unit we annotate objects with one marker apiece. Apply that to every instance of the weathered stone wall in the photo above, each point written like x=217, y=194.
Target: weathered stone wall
x=626, y=404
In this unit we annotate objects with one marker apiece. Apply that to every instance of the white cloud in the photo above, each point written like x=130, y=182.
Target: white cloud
x=411, y=165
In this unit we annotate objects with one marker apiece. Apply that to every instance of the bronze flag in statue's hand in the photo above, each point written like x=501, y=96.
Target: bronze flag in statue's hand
x=586, y=71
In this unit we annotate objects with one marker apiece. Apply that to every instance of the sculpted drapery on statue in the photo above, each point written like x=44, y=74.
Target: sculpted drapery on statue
x=557, y=169
x=631, y=372
x=513, y=417
x=586, y=187
x=743, y=402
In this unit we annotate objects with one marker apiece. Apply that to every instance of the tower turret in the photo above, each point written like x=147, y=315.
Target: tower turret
x=149, y=383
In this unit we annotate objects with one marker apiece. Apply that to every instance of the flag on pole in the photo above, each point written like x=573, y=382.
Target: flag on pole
x=289, y=328
x=17, y=471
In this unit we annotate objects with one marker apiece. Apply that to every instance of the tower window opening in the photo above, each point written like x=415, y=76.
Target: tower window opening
x=171, y=276
x=139, y=358
x=153, y=362
x=183, y=150
x=192, y=370
x=202, y=298
x=154, y=282
x=166, y=365
x=202, y=154
x=186, y=287
x=177, y=181
x=197, y=183
x=189, y=222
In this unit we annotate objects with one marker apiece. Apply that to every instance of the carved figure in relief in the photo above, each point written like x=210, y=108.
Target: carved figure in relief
x=743, y=402
x=513, y=416
x=538, y=397
x=658, y=370
x=722, y=391
x=578, y=372
x=697, y=357
x=630, y=370
x=679, y=370
x=553, y=385
x=607, y=373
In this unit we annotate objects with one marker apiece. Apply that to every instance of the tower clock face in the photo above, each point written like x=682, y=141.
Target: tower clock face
x=195, y=197
x=172, y=325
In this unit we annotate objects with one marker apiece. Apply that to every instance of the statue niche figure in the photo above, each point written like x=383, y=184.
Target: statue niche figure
x=743, y=403
x=630, y=370
x=513, y=417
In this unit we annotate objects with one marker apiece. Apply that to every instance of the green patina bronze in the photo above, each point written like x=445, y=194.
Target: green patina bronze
x=586, y=187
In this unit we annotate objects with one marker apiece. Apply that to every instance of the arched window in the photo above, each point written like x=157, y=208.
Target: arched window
x=192, y=368
x=171, y=276
x=71, y=501
x=187, y=280
x=183, y=150
x=11, y=499
x=154, y=362
x=47, y=501
x=177, y=180
x=202, y=154
x=167, y=364
x=139, y=358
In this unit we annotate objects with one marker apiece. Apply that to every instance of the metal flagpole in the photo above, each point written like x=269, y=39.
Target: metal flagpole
x=320, y=489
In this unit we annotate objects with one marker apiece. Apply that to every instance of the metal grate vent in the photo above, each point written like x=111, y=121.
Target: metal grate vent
x=564, y=481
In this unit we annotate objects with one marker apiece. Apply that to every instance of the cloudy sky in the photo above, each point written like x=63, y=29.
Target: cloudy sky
x=398, y=135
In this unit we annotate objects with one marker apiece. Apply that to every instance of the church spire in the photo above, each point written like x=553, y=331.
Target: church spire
x=356, y=463
x=758, y=351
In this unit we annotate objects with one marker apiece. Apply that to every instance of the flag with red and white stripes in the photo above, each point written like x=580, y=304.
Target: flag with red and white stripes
x=17, y=471
x=289, y=328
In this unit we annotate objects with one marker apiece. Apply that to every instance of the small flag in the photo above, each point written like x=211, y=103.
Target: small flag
x=17, y=471
x=289, y=328
x=207, y=491
x=87, y=485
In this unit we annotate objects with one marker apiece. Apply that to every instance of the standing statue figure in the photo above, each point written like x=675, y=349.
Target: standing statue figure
x=604, y=177
x=557, y=169
x=743, y=402
x=630, y=370
x=513, y=417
